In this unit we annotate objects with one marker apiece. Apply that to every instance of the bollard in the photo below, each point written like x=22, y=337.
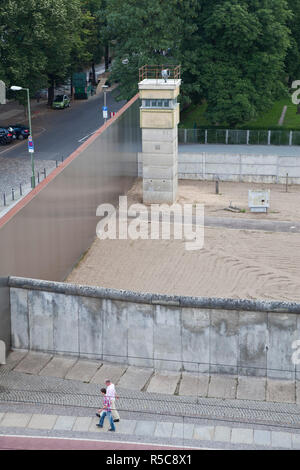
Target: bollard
x=62, y=158
x=4, y=199
x=12, y=194
x=38, y=176
x=56, y=163
x=286, y=182
x=217, y=187
x=44, y=172
x=21, y=193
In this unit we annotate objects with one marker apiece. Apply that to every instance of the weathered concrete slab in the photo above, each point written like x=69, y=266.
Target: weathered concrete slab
x=163, y=383
x=40, y=421
x=262, y=437
x=16, y=420
x=204, y=433
x=163, y=429
x=19, y=318
x=58, y=367
x=281, y=439
x=253, y=331
x=33, y=363
x=64, y=423
x=83, y=370
x=224, y=341
x=13, y=358
x=222, y=386
x=194, y=385
x=135, y=378
x=82, y=424
x=222, y=434
x=241, y=436
x=112, y=372
x=145, y=428
x=251, y=388
x=195, y=339
x=167, y=338
x=281, y=391
x=297, y=392
x=183, y=431
x=126, y=426
x=296, y=441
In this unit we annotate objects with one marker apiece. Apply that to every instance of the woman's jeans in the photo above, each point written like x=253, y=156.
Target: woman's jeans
x=109, y=415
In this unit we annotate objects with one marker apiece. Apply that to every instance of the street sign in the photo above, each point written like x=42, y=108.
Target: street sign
x=2, y=93
x=30, y=144
x=104, y=109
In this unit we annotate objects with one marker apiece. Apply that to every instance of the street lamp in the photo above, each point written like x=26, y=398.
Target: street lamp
x=19, y=88
x=104, y=110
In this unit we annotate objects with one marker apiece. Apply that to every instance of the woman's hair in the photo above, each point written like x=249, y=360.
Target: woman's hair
x=103, y=390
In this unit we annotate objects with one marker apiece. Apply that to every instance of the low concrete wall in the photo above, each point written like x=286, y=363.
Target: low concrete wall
x=4, y=316
x=237, y=167
x=207, y=335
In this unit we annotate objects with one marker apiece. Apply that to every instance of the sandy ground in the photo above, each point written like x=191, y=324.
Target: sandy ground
x=233, y=263
x=283, y=205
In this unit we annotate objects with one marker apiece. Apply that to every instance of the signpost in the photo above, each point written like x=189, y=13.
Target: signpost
x=104, y=109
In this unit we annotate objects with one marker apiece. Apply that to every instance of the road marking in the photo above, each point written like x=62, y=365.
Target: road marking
x=87, y=136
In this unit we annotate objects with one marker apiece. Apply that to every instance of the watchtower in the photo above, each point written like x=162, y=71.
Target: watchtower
x=159, y=118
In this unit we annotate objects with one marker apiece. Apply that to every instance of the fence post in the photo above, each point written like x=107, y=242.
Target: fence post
x=206, y=136
x=269, y=137
x=12, y=194
x=291, y=138
x=4, y=199
x=226, y=137
x=184, y=136
x=248, y=135
x=21, y=194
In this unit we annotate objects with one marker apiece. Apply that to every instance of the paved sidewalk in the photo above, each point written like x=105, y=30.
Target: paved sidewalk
x=49, y=395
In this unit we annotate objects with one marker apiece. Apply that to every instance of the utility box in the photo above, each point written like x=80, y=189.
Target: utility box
x=259, y=200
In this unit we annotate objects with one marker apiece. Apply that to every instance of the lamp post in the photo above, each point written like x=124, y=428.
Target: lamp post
x=19, y=88
x=104, y=91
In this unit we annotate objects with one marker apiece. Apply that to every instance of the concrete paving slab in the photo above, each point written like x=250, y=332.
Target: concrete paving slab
x=163, y=383
x=64, y=423
x=281, y=439
x=145, y=428
x=82, y=423
x=83, y=371
x=204, y=433
x=113, y=372
x=13, y=358
x=135, y=378
x=283, y=391
x=126, y=426
x=33, y=363
x=163, y=429
x=183, y=431
x=222, y=386
x=222, y=433
x=40, y=421
x=194, y=385
x=241, y=436
x=296, y=441
x=58, y=367
x=251, y=388
x=94, y=428
x=18, y=420
x=262, y=437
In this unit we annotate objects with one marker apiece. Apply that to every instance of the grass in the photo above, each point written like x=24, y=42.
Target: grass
x=268, y=120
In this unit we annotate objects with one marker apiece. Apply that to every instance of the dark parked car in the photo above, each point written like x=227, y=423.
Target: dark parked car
x=20, y=131
x=6, y=136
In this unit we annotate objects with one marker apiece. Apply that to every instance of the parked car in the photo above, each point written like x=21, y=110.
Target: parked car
x=61, y=101
x=21, y=132
x=6, y=136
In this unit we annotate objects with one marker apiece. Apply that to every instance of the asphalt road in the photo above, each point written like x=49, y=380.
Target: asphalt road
x=57, y=133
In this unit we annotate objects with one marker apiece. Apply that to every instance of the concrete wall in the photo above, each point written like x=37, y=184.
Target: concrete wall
x=4, y=314
x=165, y=332
x=237, y=167
x=45, y=234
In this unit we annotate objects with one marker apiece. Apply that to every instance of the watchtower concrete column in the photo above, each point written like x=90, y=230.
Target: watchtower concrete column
x=159, y=118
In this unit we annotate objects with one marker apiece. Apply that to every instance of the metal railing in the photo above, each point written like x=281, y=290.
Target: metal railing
x=154, y=72
x=238, y=137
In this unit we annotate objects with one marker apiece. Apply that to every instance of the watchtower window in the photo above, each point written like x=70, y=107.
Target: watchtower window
x=159, y=103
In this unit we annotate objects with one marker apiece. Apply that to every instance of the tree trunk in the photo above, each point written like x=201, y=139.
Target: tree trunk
x=106, y=57
x=51, y=92
x=94, y=74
